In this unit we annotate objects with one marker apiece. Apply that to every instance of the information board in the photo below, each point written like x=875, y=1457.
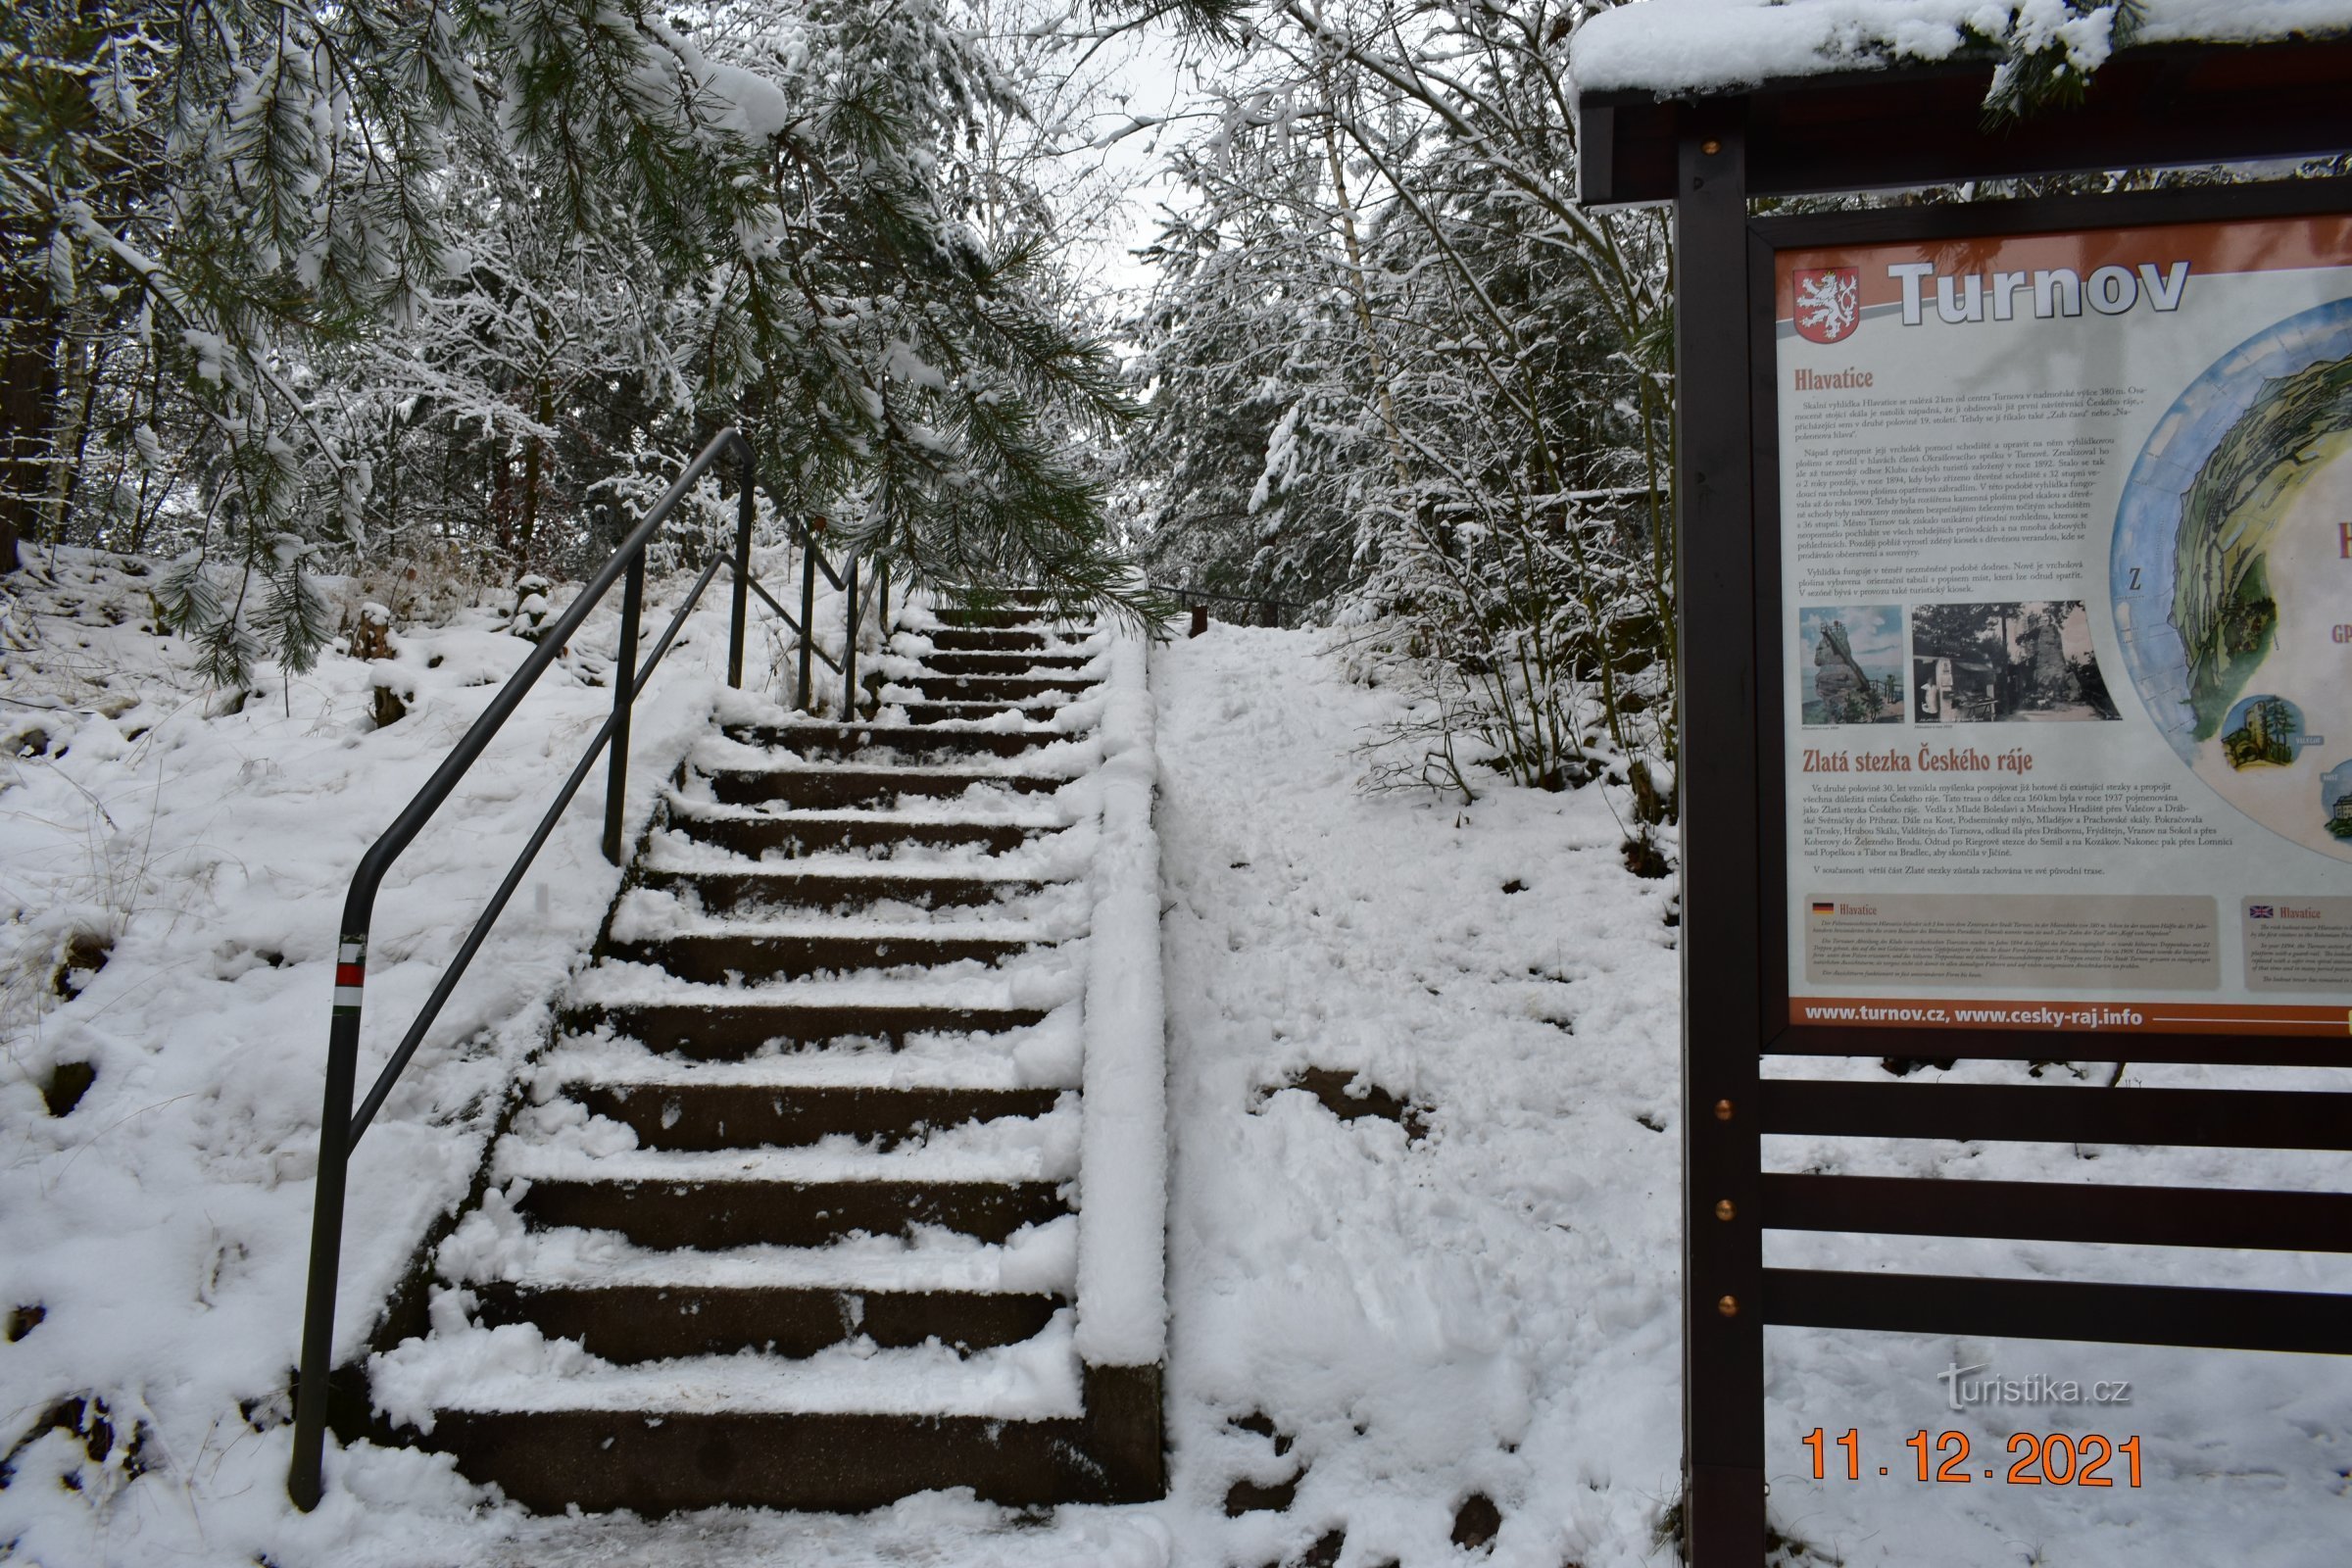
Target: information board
x=2066, y=545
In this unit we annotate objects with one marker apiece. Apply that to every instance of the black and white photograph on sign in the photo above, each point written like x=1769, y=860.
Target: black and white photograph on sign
x=2028, y=659
x=1851, y=661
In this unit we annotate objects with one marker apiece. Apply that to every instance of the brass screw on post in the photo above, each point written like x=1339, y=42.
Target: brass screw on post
x=1723, y=1111
x=1710, y=146
x=1728, y=1305
x=1724, y=1209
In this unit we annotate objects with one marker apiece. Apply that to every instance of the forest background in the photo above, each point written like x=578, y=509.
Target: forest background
x=399, y=295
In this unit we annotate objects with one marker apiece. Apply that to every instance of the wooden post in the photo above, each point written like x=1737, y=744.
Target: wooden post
x=1723, y=1327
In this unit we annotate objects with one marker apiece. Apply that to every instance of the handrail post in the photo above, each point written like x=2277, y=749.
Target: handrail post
x=808, y=611
x=882, y=603
x=743, y=510
x=304, y=1480
x=339, y=1130
x=849, y=650
x=624, y=698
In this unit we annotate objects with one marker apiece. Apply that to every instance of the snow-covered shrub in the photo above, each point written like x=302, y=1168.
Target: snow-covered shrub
x=1401, y=371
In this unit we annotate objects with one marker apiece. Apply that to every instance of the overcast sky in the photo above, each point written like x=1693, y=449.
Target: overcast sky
x=1159, y=78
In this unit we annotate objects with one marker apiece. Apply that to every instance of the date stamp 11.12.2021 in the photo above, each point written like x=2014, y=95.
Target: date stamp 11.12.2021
x=2031, y=1458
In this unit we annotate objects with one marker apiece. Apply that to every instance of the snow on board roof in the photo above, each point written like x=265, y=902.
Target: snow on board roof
x=1675, y=47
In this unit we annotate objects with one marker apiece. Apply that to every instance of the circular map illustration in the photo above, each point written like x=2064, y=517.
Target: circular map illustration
x=2232, y=581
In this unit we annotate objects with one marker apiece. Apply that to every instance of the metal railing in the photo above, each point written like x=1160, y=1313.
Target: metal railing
x=339, y=1126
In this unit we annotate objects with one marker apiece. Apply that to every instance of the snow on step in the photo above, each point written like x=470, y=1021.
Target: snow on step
x=697, y=845
x=494, y=1245
x=919, y=694
x=1046, y=979
x=1043, y=1055
x=654, y=914
x=514, y=1367
x=890, y=731
x=560, y=1140
x=1062, y=760
x=1062, y=857
x=915, y=624
x=1027, y=664
x=830, y=1161
x=933, y=810
x=982, y=803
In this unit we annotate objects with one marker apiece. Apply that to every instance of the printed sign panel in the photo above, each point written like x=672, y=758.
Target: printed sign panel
x=2067, y=573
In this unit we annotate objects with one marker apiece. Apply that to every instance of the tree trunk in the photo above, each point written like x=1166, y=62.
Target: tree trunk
x=1363, y=309
x=533, y=465
x=69, y=440
x=27, y=400
x=502, y=502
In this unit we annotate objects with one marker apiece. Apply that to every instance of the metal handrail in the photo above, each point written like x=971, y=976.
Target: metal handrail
x=339, y=1128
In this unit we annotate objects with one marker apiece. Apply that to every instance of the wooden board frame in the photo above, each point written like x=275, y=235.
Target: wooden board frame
x=1731, y=779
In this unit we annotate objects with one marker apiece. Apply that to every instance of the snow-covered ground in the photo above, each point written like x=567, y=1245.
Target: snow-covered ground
x=1382, y=1324
x=1490, y=1310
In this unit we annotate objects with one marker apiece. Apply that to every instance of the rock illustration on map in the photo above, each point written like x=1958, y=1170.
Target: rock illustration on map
x=1853, y=663
x=2223, y=604
x=2028, y=659
x=2230, y=574
x=2264, y=732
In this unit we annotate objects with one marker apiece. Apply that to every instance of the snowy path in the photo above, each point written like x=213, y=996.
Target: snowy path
x=1487, y=1311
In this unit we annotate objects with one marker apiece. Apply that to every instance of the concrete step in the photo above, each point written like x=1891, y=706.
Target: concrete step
x=635, y=1323
x=1003, y=661
x=549, y=1459
x=1002, y=690
x=812, y=833
x=719, y=1116
x=730, y=1032
x=714, y=1215
x=929, y=712
x=811, y=788
x=779, y=885
x=711, y=957
x=1009, y=615
x=989, y=639
x=897, y=743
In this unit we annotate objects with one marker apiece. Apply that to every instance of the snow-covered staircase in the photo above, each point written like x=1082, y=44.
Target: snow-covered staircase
x=793, y=1217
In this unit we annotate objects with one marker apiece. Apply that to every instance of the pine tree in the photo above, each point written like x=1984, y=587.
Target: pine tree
x=276, y=247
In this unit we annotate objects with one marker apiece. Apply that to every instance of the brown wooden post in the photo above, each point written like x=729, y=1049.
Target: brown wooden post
x=1199, y=620
x=1723, y=1327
